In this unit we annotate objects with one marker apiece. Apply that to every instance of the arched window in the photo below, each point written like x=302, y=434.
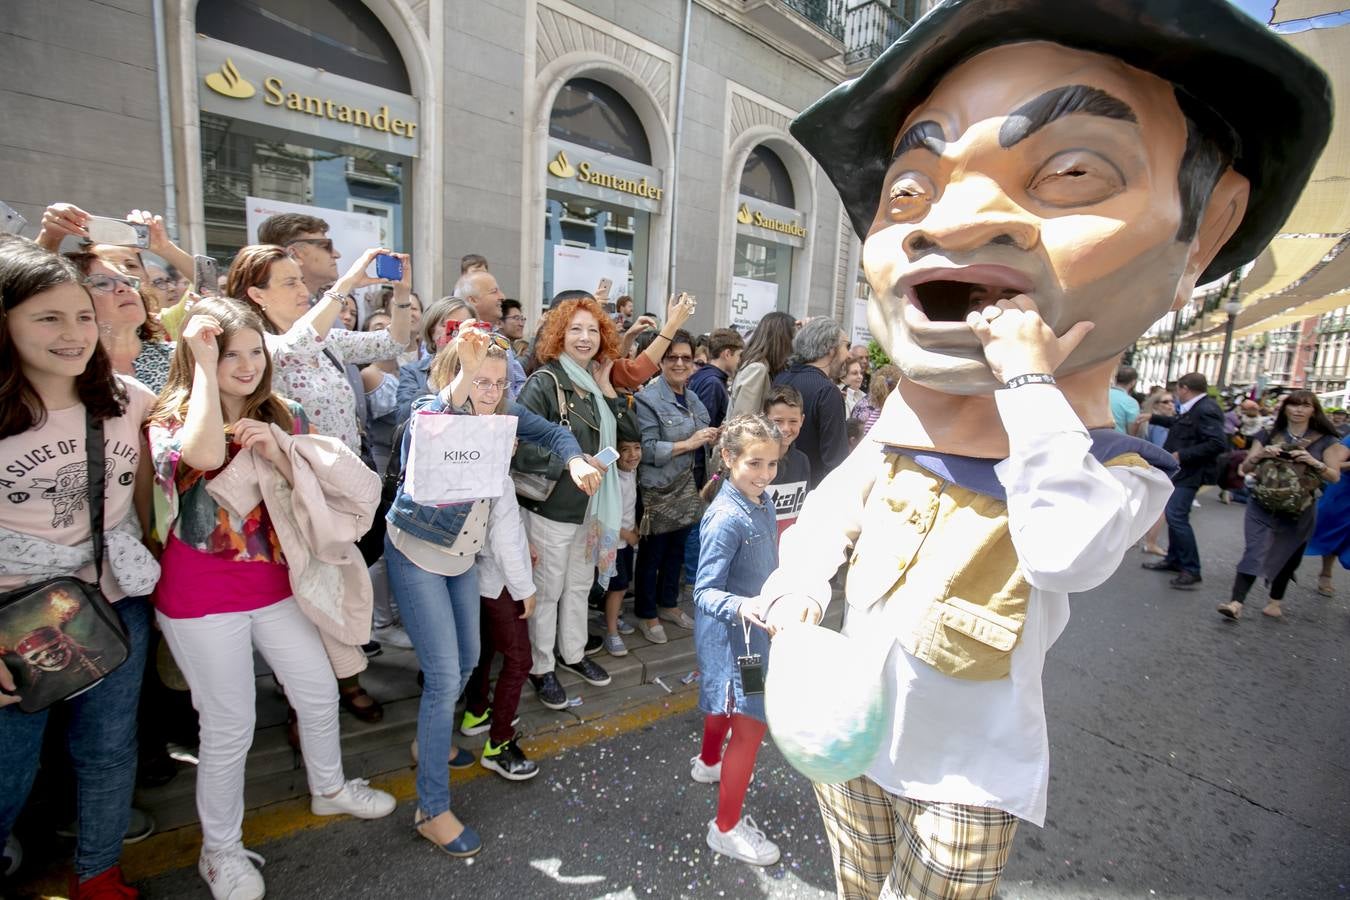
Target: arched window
x=339, y=36
x=595, y=115
x=766, y=178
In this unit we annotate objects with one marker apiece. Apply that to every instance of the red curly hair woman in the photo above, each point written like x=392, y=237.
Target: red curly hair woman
x=573, y=534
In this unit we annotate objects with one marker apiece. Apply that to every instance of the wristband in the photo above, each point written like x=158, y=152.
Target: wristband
x=1032, y=378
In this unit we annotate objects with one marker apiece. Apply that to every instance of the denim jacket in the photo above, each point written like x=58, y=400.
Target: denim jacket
x=738, y=549
x=664, y=421
x=442, y=524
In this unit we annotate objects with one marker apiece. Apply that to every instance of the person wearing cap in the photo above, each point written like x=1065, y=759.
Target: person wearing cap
x=1035, y=182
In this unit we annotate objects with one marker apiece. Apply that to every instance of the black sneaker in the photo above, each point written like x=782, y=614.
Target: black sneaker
x=589, y=671
x=372, y=649
x=549, y=690
x=508, y=761
x=594, y=644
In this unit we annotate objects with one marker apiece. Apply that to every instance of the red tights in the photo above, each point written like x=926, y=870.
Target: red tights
x=738, y=763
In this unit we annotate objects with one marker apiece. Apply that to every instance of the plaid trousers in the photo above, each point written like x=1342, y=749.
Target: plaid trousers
x=887, y=847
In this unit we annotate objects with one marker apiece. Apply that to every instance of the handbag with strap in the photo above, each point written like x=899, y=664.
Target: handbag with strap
x=672, y=507
x=533, y=486
x=61, y=636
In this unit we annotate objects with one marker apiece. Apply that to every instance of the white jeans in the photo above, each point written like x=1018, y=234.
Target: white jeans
x=562, y=582
x=216, y=656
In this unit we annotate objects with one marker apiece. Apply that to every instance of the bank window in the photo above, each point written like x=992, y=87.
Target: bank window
x=766, y=178
x=765, y=261
x=571, y=221
x=339, y=36
x=595, y=115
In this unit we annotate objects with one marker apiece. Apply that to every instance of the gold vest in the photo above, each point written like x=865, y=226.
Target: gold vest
x=939, y=560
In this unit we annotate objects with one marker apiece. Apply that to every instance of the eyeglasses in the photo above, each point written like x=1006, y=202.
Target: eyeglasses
x=325, y=244
x=493, y=387
x=162, y=283
x=514, y=318
x=678, y=359
x=107, y=284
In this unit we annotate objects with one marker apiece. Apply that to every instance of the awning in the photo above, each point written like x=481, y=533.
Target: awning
x=1290, y=10
x=1285, y=261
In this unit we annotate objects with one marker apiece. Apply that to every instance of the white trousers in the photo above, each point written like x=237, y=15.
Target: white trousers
x=216, y=656
x=562, y=582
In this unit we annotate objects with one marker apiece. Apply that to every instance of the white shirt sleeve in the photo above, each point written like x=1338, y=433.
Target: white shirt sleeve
x=510, y=546
x=1071, y=518
x=813, y=548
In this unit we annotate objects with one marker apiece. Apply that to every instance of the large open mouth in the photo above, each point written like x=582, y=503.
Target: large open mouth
x=952, y=301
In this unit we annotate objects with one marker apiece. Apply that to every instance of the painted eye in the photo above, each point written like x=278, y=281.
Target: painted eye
x=1076, y=178
x=910, y=195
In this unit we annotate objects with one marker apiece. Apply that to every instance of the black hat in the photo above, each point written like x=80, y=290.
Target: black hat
x=1276, y=100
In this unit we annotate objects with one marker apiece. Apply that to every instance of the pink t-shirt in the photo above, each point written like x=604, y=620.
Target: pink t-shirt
x=44, y=478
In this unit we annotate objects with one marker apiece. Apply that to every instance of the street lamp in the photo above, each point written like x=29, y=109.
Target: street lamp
x=1232, y=306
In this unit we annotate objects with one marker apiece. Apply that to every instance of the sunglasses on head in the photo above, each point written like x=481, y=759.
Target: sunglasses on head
x=452, y=328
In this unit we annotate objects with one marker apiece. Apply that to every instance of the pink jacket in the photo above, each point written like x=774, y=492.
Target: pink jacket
x=318, y=520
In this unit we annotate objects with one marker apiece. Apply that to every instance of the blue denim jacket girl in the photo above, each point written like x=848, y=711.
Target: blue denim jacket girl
x=442, y=524
x=738, y=550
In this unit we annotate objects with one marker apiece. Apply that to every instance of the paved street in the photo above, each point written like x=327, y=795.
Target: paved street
x=1191, y=758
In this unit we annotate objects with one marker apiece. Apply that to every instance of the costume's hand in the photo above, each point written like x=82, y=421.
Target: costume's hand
x=8, y=686
x=792, y=610
x=1017, y=341
x=200, y=333
x=584, y=475
x=528, y=603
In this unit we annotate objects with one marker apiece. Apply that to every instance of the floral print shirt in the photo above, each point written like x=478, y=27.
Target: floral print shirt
x=309, y=376
x=200, y=522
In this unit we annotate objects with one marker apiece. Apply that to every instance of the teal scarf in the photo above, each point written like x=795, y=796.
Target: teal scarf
x=605, y=512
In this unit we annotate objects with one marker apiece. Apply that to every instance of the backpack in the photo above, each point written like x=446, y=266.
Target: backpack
x=1284, y=487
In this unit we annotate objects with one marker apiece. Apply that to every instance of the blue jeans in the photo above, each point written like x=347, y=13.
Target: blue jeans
x=101, y=740
x=691, y=557
x=1181, y=547
x=440, y=613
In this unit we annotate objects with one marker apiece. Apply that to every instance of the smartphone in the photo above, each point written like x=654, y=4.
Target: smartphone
x=605, y=284
x=388, y=267
x=608, y=456
x=10, y=220
x=206, y=275
x=115, y=231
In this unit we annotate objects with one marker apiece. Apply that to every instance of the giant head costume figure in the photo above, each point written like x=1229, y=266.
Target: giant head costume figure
x=1100, y=157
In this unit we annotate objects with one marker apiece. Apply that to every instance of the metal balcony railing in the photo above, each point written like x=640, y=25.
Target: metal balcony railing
x=869, y=28
x=818, y=13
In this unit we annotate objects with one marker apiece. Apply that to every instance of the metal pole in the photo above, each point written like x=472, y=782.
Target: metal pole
x=1172, y=346
x=1232, y=307
x=673, y=195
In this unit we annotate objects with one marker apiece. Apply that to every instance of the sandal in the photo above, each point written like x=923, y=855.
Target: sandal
x=1324, y=586
x=360, y=704
x=467, y=844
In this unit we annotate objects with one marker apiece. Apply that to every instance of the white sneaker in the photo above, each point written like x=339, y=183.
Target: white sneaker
x=393, y=636
x=231, y=875
x=744, y=842
x=654, y=633
x=357, y=798
x=704, y=773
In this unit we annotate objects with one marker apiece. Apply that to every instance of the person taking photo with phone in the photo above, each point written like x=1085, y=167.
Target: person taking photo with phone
x=311, y=356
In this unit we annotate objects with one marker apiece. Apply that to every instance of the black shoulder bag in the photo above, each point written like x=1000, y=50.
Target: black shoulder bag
x=61, y=637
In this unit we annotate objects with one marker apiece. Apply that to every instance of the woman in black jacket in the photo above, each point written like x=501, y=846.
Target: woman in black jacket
x=572, y=534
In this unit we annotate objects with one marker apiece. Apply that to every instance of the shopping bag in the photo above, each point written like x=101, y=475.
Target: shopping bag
x=454, y=458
